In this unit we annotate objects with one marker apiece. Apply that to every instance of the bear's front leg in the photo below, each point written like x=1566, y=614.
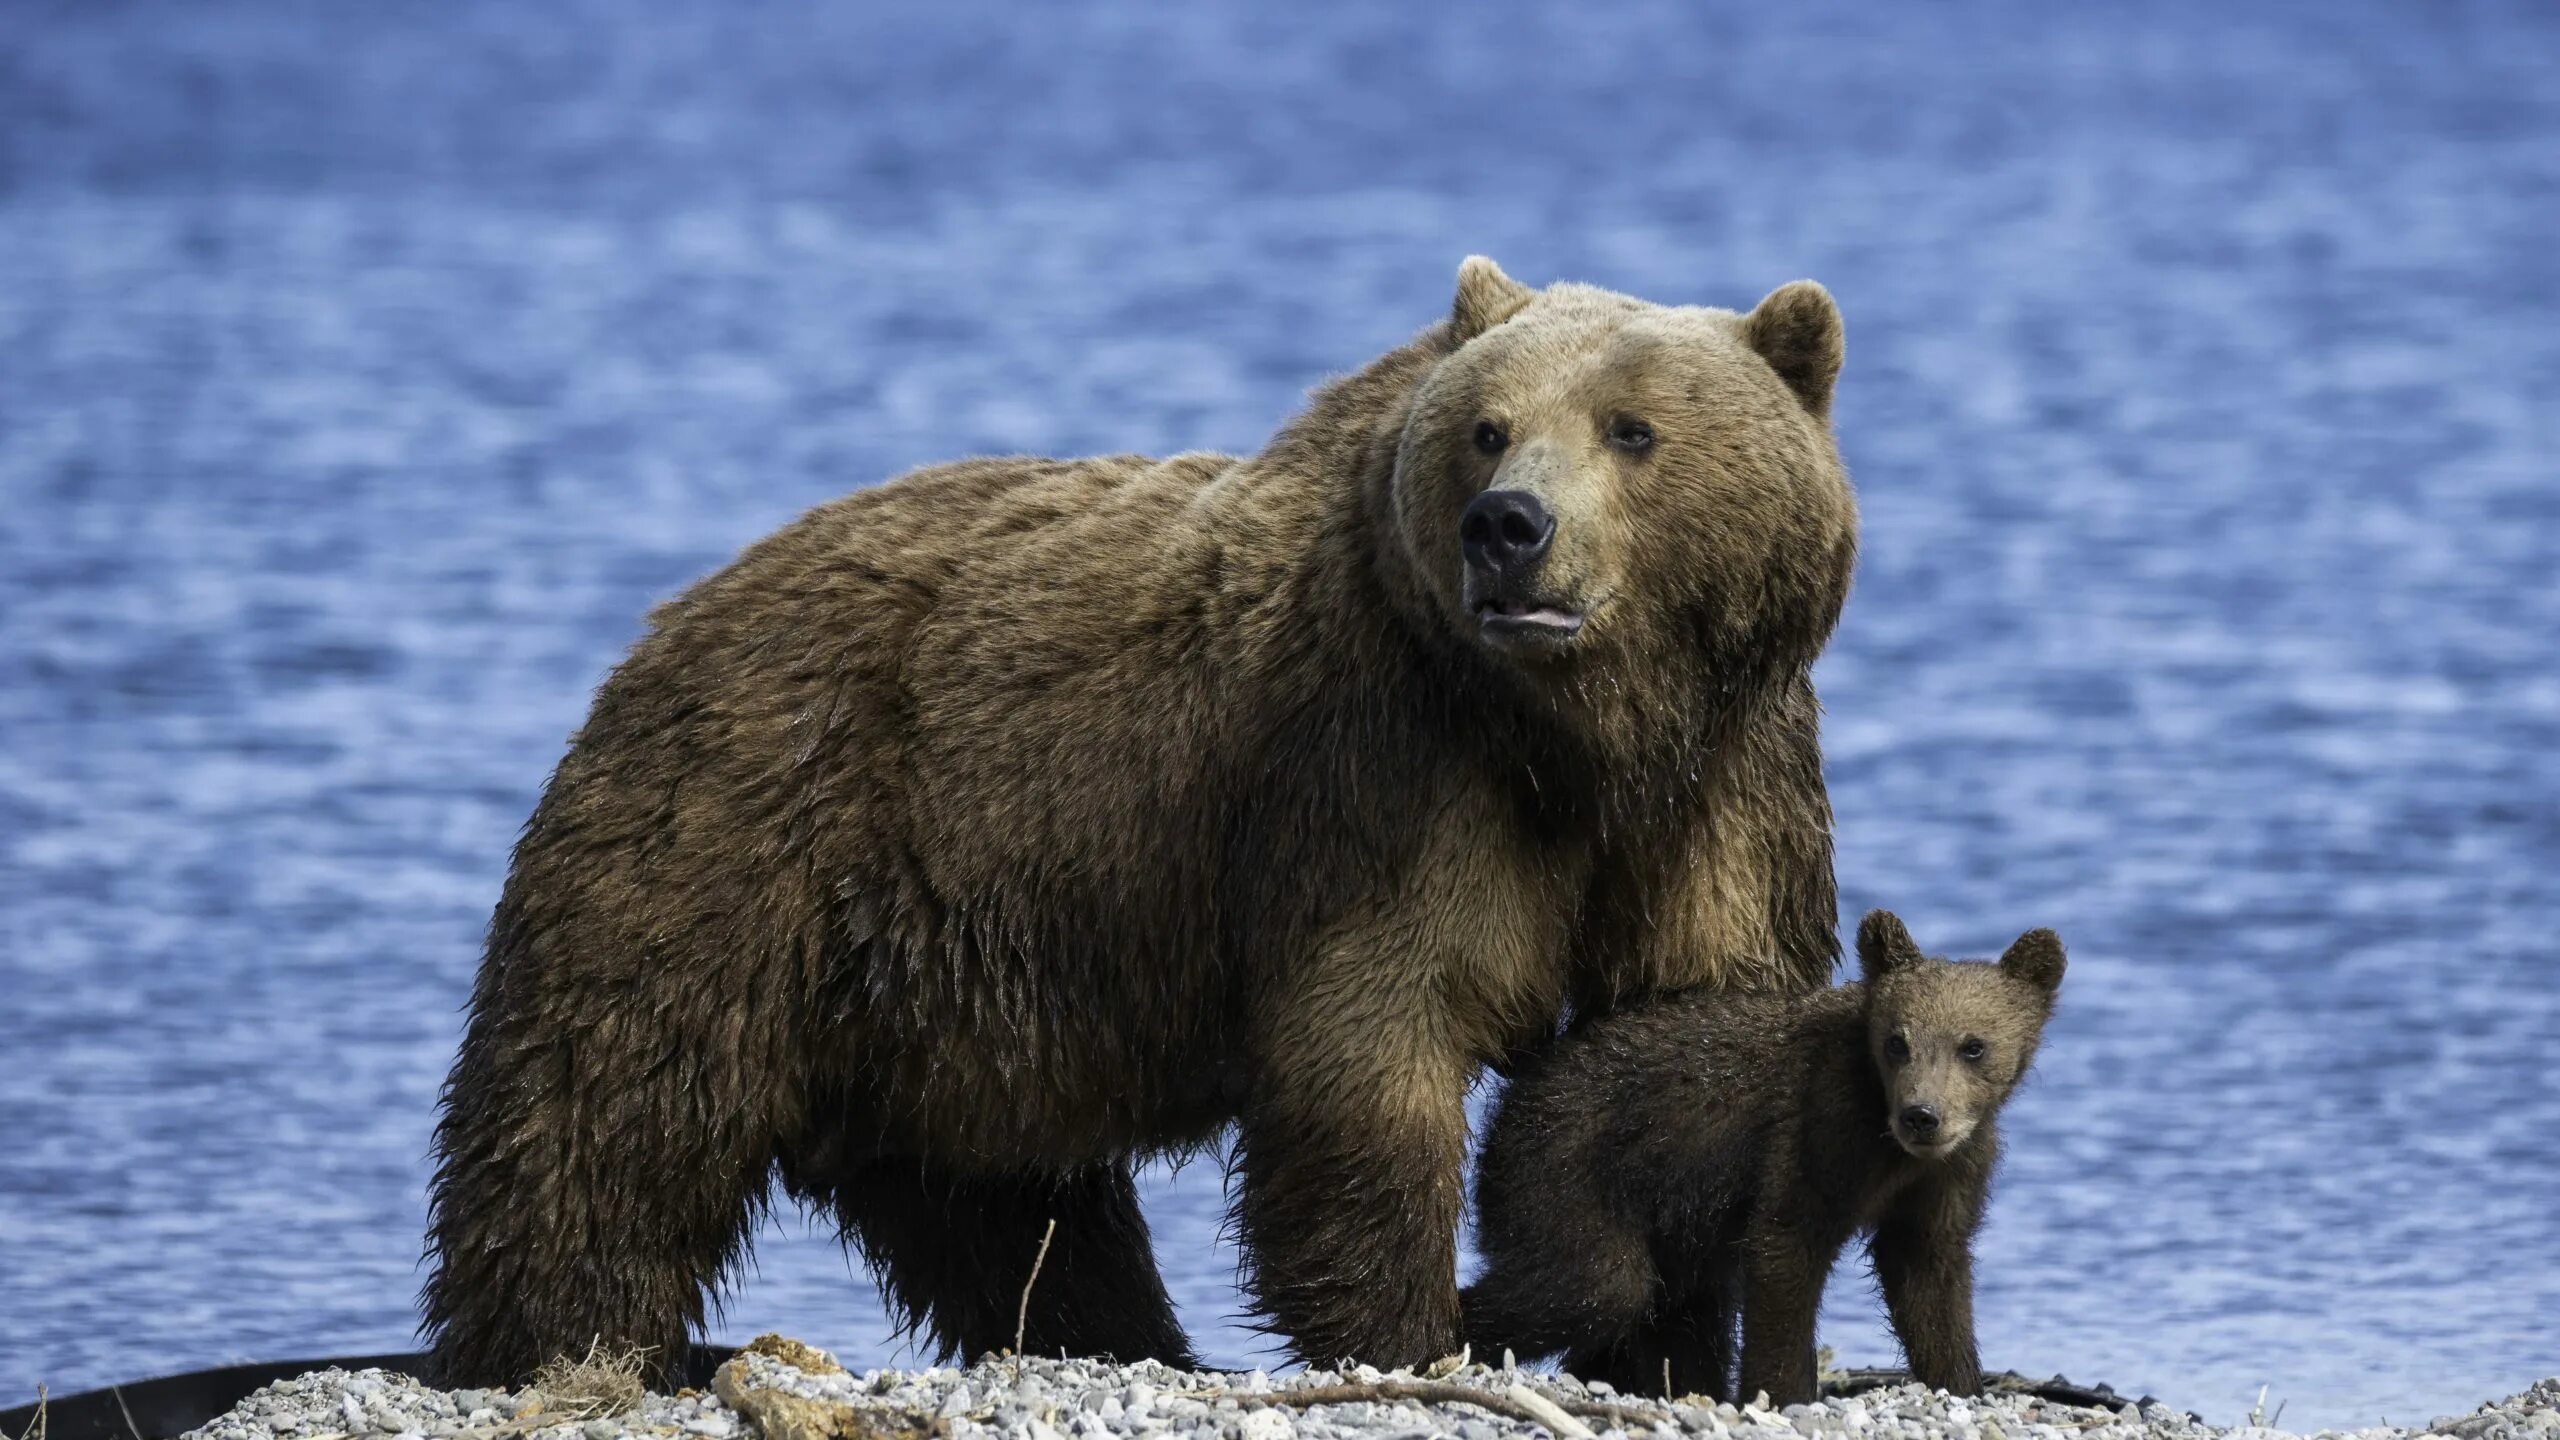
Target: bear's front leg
x=1923, y=1253
x=1350, y=1162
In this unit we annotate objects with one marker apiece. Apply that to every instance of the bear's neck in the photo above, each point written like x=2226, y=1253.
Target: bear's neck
x=1843, y=1128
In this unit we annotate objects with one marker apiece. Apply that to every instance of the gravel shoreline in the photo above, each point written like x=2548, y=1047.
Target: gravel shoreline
x=781, y=1390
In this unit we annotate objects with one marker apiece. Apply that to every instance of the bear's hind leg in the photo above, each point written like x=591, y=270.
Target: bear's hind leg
x=593, y=1196
x=953, y=1252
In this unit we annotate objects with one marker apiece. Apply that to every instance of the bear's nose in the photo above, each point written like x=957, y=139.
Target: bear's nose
x=1919, y=1121
x=1505, y=531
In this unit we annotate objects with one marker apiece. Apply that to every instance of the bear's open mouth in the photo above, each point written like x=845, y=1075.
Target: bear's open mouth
x=1506, y=617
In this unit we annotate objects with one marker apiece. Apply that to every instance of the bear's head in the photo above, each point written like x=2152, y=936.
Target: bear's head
x=1614, y=497
x=1951, y=1039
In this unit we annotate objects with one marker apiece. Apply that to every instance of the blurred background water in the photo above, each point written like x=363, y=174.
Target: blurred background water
x=367, y=372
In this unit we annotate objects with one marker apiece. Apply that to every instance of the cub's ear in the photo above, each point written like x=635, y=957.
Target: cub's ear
x=1797, y=330
x=1486, y=298
x=1884, y=946
x=2035, y=957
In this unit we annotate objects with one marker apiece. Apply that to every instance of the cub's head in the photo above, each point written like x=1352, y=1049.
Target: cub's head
x=1951, y=1039
x=1589, y=479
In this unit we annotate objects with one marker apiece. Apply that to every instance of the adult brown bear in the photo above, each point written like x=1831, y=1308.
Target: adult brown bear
x=978, y=835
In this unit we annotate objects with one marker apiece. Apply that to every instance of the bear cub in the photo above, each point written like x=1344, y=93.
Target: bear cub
x=1669, y=1169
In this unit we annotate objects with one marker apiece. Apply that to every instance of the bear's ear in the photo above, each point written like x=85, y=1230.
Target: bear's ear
x=1797, y=330
x=1884, y=946
x=2035, y=957
x=1486, y=298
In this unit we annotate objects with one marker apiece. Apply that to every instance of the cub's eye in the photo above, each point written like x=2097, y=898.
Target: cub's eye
x=1972, y=1049
x=1489, y=437
x=1633, y=436
x=1896, y=1048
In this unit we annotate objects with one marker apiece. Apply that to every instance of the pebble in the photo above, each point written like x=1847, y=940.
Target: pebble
x=1270, y=1423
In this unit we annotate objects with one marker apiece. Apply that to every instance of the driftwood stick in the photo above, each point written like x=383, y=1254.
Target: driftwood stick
x=1022, y=1312
x=1437, y=1392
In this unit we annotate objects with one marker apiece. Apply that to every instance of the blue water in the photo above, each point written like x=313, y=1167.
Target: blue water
x=367, y=371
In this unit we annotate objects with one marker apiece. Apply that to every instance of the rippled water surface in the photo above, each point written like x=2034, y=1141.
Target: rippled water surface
x=366, y=373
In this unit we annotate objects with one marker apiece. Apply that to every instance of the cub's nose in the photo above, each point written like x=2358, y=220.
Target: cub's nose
x=1919, y=1121
x=1505, y=531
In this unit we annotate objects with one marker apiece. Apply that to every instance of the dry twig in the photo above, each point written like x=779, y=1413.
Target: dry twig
x=1436, y=1392
x=1022, y=1312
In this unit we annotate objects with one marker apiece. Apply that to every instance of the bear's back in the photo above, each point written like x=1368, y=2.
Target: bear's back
x=1657, y=1108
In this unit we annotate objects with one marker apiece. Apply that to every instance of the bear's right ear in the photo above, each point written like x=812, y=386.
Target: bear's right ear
x=1797, y=330
x=2035, y=957
x=1884, y=946
x=1486, y=298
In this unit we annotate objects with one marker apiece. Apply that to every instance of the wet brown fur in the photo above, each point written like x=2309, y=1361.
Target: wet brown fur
x=1681, y=1169
x=982, y=833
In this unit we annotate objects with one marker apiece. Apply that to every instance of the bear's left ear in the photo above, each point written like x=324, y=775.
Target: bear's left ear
x=2035, y=957
x=1885, y=945
x=1486, y=298
x=1797, y=330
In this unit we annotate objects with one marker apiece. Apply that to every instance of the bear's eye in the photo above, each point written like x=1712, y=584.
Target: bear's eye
x=1489, y=437
x=1972, y=1049
x=1896, y=1048
x=1631, y=435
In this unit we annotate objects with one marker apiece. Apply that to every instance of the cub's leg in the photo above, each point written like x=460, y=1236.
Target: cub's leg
x=952, y=1253
x=1686, y=1352
x=1714, y=1326
x=1923, y=1254
x=1702, y=1290
x=1787, y=1261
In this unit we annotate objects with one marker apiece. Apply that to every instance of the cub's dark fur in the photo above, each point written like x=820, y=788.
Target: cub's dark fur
x=1675, y=1166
